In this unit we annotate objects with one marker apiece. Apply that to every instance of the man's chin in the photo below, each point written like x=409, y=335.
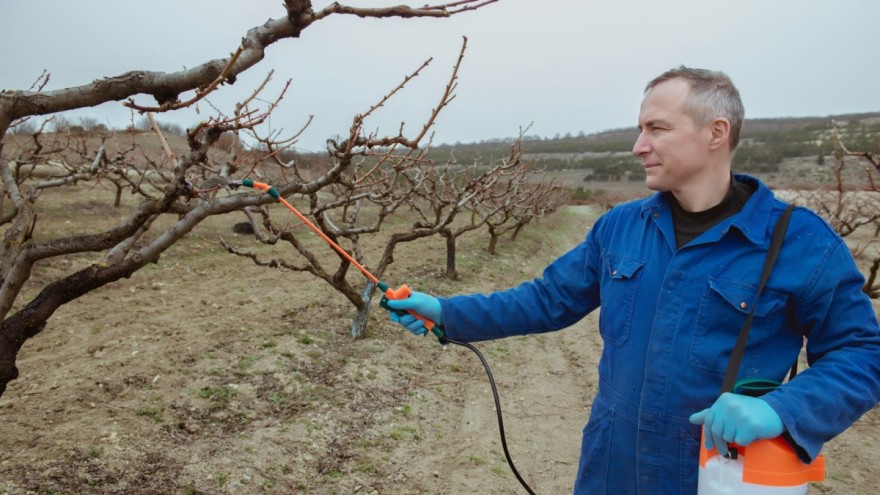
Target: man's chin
x=655, y=185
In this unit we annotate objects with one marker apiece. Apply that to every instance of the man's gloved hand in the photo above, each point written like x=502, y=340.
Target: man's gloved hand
x=739, y=419
x=422, y=304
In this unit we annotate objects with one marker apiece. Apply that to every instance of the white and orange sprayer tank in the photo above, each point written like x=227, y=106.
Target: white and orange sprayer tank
x=765, y=467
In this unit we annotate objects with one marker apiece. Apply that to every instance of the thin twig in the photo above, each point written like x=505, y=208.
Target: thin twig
x=164, y=143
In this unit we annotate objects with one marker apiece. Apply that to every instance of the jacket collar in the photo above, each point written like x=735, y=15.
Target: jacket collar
x=753, y=221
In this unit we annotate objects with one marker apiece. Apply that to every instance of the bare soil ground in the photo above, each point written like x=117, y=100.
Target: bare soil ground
x=206, y=374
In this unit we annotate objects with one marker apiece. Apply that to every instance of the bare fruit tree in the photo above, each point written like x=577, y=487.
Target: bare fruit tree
x=850, y=205
x=872, y=209
x=471, y=194
x=190, y=190
x=381, y=174
x=522, y=199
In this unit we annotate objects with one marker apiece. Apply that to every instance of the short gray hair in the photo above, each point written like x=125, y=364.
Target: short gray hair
x=712, y=95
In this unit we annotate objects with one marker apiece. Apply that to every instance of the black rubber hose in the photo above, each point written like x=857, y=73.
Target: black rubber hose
x=497, y=409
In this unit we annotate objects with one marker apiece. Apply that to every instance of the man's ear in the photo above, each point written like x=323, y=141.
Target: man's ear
x=720, y=133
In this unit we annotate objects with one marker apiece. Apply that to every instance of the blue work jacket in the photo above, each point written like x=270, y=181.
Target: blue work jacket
x=669, y=319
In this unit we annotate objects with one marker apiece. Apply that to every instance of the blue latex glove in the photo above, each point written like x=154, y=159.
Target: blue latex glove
x=739, y=419
x=423, y=304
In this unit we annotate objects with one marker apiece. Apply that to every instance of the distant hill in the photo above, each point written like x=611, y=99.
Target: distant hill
x=765, y=146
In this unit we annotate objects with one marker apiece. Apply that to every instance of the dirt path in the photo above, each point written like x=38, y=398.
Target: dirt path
x=544, y=390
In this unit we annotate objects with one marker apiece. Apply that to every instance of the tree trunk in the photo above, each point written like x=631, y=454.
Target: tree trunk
x=10, y=344
x=118, y=200
x=519, y=227
x=362, y=316
x=31, y=319
x=451, y=272
x=493, y=242
x=871, y=287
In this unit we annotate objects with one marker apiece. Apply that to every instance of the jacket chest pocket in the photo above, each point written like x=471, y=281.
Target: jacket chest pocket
x=723, y=311
x=620, y=280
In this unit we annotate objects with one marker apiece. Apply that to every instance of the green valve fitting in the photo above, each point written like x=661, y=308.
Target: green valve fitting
x=383, y=303
x=271, y=191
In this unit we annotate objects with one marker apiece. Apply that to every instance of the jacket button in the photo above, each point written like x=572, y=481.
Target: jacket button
x=614, y=272
x=744, y=305
x=656, y=214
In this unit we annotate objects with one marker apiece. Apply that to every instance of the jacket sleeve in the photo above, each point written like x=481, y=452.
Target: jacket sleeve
x=566, y=292
x=843, y=351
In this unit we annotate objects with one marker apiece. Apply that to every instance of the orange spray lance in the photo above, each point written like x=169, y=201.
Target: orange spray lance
x=401, y=292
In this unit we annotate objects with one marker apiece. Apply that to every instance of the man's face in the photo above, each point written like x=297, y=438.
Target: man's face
x=674, y=151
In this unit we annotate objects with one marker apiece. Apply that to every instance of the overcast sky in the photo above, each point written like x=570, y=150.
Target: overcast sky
x=563, y=66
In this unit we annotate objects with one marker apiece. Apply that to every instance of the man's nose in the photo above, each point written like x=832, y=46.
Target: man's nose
x=641, y=145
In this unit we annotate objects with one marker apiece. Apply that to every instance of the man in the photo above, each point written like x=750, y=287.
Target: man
x=676, y=274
